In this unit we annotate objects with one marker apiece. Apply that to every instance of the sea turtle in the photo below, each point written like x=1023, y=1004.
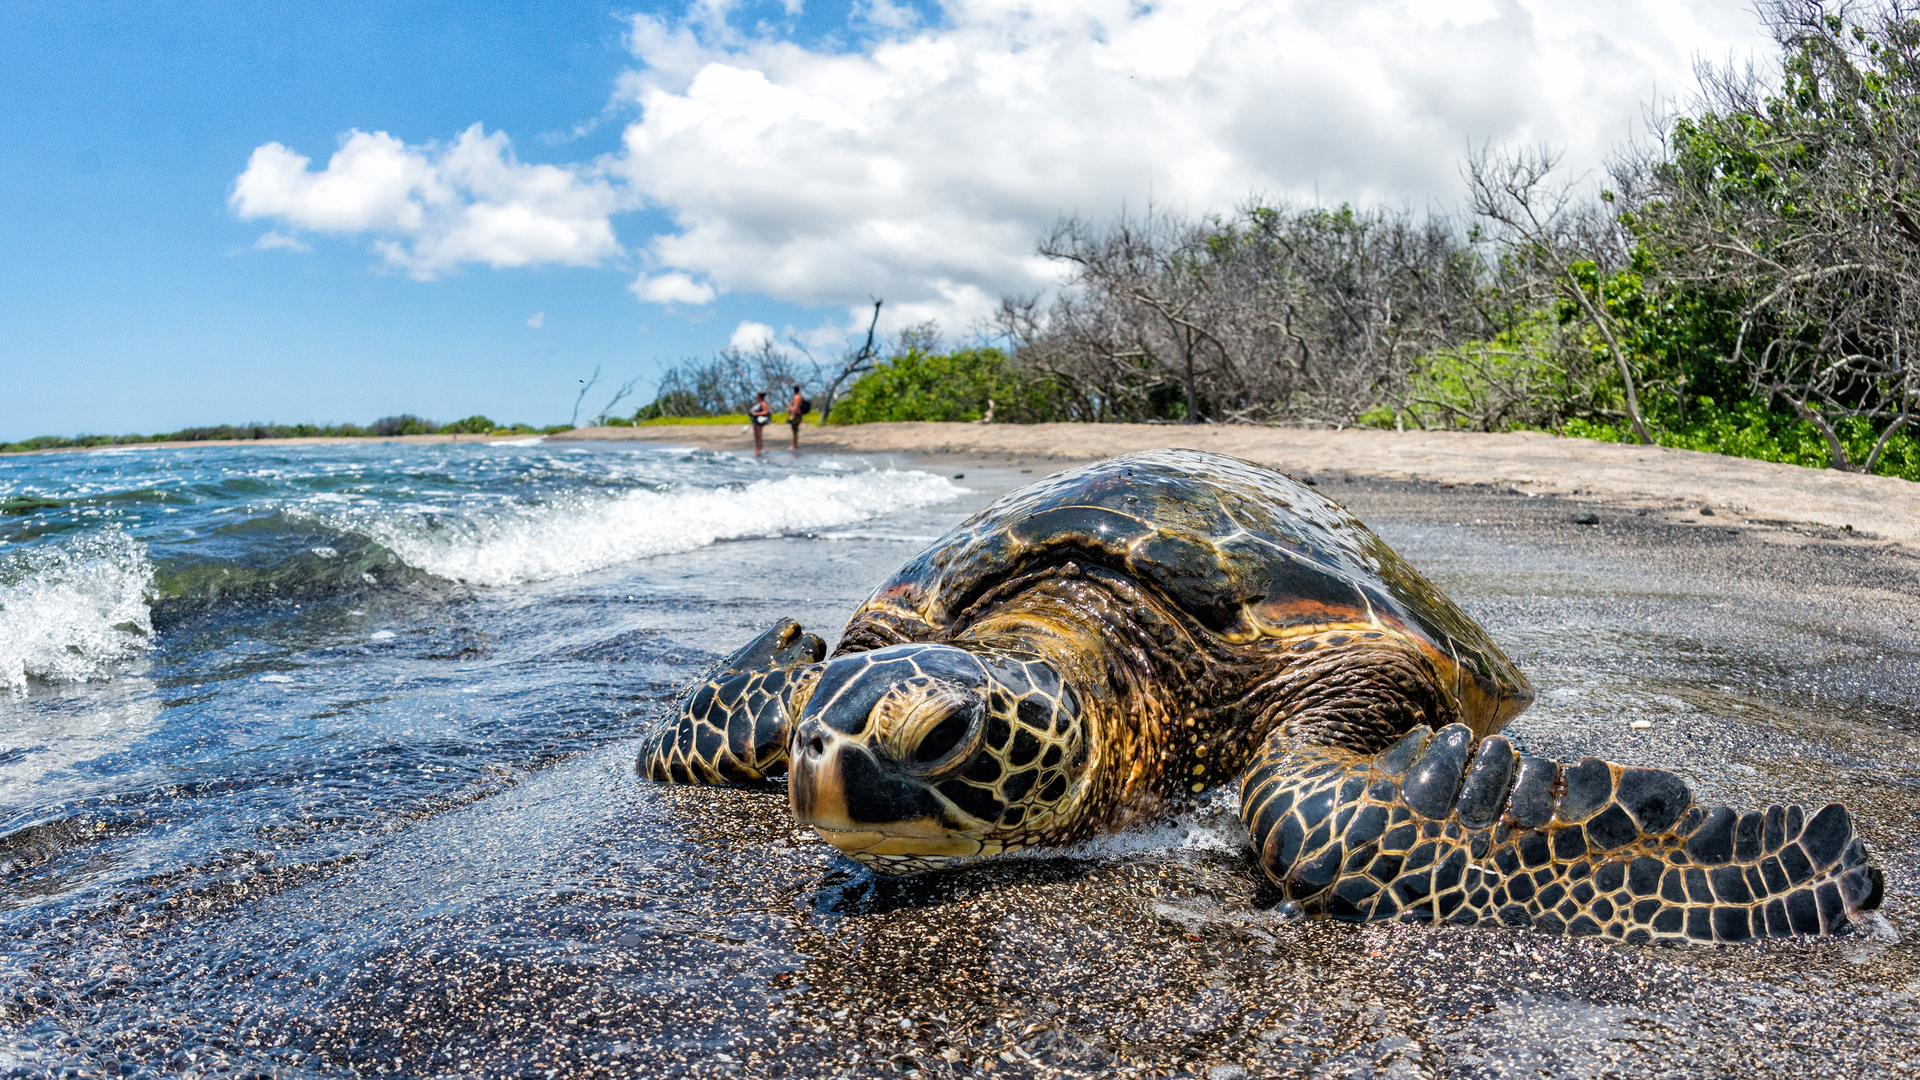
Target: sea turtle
x=1127, y=635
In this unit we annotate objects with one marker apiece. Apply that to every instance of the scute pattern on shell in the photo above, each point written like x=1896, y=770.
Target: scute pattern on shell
x=1243, y=551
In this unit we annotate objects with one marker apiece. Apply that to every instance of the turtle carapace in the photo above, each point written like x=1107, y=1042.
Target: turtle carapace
x=1121, y=637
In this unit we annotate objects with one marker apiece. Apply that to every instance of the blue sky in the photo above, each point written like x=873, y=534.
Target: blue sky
x=180, y=244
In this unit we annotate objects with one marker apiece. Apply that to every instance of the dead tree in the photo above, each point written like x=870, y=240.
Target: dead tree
x=625, y=391
x=1156, y=291
x=855, y=364
x=1268, y=315
x=726, y=383
x=1548, y=235
x=585, y=385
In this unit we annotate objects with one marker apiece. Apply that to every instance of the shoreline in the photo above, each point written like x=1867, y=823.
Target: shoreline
x=1654, y=480
x=298, y=440
x=1672, y=483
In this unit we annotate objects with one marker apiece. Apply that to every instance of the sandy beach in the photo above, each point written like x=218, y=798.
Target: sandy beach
x=1676, y=484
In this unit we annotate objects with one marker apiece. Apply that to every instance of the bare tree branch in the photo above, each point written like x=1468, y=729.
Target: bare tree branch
x=1545, y=230
x=585, y=385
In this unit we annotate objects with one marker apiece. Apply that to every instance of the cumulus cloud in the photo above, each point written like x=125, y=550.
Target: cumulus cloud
x=923, y=167
x=751, y=335
x=434, y=207
x=672, y=288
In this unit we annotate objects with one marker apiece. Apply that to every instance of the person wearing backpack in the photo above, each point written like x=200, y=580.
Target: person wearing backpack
x=797, y=408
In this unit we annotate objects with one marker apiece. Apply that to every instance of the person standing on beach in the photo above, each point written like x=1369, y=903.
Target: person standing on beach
x=761, y=414
x=795, y=409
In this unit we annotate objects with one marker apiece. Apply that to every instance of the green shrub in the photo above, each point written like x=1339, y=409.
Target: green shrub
x=404, y=424
x=1746, y=429
x=1523, y=377
x=669, y=406
x=954, y=386
x=392, y=425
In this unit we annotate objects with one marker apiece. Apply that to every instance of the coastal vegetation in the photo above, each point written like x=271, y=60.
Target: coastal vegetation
x=726, y=384
x=1745, y=282
x=959, y=385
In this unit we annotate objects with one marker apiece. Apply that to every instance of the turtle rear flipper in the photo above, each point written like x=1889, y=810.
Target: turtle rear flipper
x=731, y=726
x=1438, y=828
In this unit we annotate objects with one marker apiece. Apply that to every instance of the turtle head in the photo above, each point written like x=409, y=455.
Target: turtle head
x=915, y=757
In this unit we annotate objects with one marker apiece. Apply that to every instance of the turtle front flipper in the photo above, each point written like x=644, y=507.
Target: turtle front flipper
x=1438, y=828
x=732, y=725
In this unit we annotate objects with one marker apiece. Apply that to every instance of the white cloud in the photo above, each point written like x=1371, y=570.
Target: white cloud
x=537, y=320
x=923, y=168
x=922, y=165
x=885, y=14
x=435, y=207
x=751, y=335
x=674, y=288
x=274, y=239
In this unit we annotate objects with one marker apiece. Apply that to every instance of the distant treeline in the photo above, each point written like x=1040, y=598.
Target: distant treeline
x=1745, y=282
x=385, y=427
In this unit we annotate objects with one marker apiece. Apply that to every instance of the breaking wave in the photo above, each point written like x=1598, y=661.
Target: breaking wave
x=70, y=611
x=575, y=534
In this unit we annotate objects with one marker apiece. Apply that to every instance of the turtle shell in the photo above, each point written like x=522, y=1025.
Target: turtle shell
x=1244, y=551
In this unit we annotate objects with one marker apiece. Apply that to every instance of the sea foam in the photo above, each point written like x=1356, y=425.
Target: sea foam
x=70, y=611
x=582, y=532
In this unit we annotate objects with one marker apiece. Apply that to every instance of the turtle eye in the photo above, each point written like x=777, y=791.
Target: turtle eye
x=940, y=731
x=939, y=742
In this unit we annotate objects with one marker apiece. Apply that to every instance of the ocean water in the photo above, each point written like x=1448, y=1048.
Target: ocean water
x=241, y=673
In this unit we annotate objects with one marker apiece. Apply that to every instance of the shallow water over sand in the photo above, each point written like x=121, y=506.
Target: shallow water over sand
x=327, y=828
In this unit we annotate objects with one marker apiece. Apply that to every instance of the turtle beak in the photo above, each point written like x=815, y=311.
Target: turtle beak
x=814, y=785
x=861, y=806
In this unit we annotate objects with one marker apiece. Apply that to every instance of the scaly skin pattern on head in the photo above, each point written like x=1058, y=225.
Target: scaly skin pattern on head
x=1166, y=713
x=1130, y=634
x=913, y=757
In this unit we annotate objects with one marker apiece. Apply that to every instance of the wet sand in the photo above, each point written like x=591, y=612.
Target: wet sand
x=1774, y=663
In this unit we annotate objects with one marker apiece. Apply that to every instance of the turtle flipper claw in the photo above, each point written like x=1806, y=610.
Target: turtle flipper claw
x=731, y=725
x=1439, y=828
x=783, y=645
